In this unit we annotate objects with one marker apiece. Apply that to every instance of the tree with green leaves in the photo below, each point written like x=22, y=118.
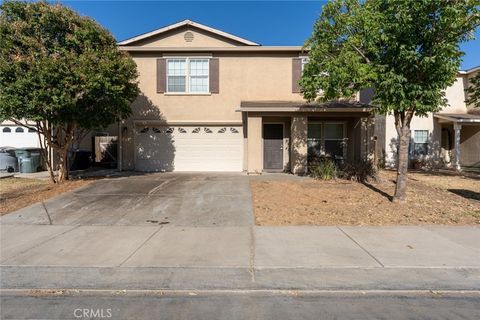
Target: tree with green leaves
x=62, y=73
x=473, y=91
x=407, y=50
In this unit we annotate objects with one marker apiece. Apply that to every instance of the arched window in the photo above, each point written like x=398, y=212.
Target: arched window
x=6, y=130
x=19, y=129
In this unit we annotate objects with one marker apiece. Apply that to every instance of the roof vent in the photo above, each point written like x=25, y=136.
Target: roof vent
x=188, y=36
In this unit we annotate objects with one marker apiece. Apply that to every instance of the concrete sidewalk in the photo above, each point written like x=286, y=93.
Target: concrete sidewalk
x=175, y=257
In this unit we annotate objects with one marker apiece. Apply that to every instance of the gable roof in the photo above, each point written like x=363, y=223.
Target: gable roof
x=186, y=23
x=468, y=71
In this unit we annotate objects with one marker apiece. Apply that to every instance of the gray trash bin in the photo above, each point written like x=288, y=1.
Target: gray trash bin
x=26, y=165
x=34, y=161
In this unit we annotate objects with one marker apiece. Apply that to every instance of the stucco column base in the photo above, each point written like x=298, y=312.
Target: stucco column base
x=254, y=145
x=299, y=150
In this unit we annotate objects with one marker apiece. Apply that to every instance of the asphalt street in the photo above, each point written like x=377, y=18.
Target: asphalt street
x=239, y=305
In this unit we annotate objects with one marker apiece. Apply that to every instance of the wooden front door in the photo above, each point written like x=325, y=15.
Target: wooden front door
x=273, y=146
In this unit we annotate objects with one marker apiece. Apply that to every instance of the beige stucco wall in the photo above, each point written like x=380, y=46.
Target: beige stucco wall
x=298, y=145
x=254, y=144
x=175, y=38
x=470, y=146
x=455, y=95
x=242, y=77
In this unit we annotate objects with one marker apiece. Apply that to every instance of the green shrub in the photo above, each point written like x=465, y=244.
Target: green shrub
x=359, y=171
x=323, y=169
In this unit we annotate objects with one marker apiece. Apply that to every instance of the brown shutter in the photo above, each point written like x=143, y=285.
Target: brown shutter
x=214, y=76
x=296, y=74
x=161, y=75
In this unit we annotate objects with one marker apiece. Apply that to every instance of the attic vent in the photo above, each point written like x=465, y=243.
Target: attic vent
x=188, y=36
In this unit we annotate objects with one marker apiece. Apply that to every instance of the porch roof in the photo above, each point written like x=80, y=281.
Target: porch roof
x=303, y=106
x=462, y=118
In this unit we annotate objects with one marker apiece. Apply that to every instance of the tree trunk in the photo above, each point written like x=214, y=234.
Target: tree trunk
x=45, y=150
x=62, y=165
x=402, y=165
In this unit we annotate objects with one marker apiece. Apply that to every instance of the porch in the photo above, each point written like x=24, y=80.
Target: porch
x=287, y=136
x=460, y=140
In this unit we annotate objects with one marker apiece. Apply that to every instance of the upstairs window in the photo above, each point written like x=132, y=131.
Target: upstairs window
x=188, y=75
x=176, y=75
x=198, y=75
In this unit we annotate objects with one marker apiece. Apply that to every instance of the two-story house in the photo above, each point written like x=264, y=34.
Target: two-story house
x=212, y=101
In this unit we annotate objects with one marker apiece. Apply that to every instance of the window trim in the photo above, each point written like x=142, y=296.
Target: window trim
x=187, y=76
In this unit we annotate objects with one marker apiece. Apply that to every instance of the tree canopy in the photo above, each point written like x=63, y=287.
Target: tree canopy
x=408, y=51
x=61, y=71
x=473, y=91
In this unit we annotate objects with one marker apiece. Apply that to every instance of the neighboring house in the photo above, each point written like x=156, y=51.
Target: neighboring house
x=449, y=138
x=13, y=135
x=212, y=101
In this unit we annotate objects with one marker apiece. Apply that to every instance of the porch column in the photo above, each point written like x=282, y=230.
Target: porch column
x=366, y=136
x=254, y=144
x=457, y=128
x=298, y=149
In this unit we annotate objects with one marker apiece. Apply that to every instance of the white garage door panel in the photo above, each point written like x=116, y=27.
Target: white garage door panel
x=188, y=148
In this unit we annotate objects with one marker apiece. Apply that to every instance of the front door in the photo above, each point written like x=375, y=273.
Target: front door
x=273, y=146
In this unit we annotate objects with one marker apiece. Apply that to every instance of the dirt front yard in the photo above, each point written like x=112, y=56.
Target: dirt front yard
x=432, y=199
x=16, y=193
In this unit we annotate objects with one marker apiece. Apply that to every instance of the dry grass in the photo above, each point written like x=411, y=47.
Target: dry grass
x=16, y=193
x=432, y=199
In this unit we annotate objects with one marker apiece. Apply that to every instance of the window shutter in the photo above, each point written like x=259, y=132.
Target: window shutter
x=161, y=75
x=296, y=74
x=214, y=76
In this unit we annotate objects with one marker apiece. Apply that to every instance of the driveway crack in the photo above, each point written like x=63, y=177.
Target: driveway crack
x=46, y=211
x=361, y=247
x=140, y=246
x=159, y=187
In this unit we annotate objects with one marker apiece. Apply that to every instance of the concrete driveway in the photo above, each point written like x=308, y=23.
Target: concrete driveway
x=178, y=199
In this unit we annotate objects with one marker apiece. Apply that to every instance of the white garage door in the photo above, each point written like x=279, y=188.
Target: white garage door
x=189, y=148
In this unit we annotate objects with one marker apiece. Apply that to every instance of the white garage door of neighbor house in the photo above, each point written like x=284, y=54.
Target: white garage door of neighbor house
x=189, y=148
